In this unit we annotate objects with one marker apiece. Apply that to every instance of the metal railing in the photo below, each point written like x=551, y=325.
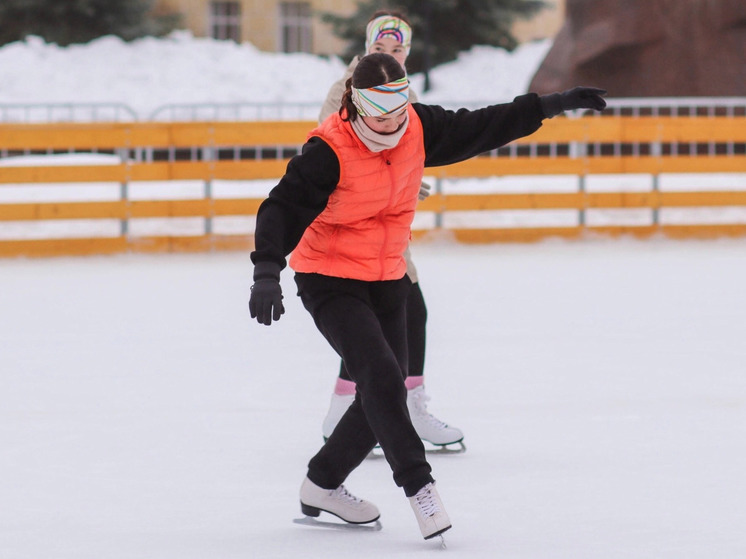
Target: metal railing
x=28, y=113
x=194, y=112
x=259, y=111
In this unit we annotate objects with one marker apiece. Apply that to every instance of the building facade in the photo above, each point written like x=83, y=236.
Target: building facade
x=278, y=26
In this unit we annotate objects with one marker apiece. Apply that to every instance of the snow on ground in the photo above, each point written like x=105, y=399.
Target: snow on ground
x=149, y=73
x=600, y=386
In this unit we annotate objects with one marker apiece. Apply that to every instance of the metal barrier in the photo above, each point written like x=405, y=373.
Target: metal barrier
x=173, y=112
x=195, y=112
x=66, y=112
x=240, y=111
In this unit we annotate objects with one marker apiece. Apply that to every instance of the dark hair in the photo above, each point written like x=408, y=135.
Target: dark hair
x=372, y=70
x=392, y=13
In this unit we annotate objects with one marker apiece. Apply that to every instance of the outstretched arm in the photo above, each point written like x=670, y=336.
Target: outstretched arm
x=455, y=136
x=452, y=136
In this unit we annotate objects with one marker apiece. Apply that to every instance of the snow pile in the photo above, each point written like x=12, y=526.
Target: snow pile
x=181, y=69
x=484, y=75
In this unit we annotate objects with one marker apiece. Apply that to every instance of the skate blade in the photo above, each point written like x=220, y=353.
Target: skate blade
x=310, y=521
x=442, y=542
x=453, y=448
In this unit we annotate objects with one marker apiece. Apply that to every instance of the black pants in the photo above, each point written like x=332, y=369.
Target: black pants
x=365, y=323
x=416, y=320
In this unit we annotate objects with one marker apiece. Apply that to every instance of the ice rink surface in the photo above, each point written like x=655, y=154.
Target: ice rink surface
x=601, y=386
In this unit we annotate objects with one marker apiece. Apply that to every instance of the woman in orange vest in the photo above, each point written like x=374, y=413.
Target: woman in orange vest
x=390, y=32
x=344, y=209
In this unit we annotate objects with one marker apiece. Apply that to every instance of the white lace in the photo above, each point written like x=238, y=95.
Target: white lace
x=426, y=502
x=420, y=404
x=342, y=494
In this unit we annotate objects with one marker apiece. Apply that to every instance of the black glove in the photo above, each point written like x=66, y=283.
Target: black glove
x=265, y=303
x=575, y=98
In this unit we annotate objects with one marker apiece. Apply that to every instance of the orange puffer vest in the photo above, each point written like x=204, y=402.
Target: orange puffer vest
x=365, y=228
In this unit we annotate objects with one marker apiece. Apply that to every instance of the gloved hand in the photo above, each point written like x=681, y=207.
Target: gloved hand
x=575, y=98
x=265, y=303
x=424, y=190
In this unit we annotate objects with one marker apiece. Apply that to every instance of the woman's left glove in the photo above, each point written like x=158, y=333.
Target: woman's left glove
x=424, y=190
x=575, y=98
x=265, y=303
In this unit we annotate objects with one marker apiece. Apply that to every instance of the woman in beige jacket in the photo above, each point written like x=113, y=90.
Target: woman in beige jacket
x=390, y=33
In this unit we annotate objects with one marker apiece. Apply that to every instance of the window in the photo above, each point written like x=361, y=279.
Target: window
x=225, y=21
x=295, y=26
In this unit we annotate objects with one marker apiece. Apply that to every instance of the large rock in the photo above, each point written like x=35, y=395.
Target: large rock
x=649, y=48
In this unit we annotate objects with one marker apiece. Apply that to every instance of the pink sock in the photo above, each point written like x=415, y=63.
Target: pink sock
x=344, y=387
x=414, y=382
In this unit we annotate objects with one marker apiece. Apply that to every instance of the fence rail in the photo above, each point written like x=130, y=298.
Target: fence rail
x=66, y=112
x=210, y=152
x=254, y=110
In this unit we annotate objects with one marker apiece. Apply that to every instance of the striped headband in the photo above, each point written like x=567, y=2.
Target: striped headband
x=381, y=99
x=388, y=26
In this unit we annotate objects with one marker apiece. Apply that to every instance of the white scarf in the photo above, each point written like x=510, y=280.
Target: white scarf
x=375, y=141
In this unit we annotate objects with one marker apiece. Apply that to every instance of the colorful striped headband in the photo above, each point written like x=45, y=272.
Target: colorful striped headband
x=381, y=99
x=388, y=26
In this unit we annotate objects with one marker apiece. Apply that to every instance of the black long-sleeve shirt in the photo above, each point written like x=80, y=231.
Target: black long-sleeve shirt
x=311, y=177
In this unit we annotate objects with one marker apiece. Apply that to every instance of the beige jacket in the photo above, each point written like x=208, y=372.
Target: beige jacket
x=332, y=103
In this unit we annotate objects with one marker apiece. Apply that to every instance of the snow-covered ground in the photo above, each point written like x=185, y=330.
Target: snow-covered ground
x=150, y=73
x=600, y=386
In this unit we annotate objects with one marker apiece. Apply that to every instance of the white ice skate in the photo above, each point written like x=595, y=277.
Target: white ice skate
x=430, y=513
x=339, y=502
x=430, y=428
x=337, y=408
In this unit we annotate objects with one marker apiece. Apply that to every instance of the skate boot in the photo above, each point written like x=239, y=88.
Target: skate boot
x=339, y=502
x=430, y=513
x=430, y=428
x=337, y=408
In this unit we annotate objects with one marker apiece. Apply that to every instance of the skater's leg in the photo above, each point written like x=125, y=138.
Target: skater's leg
x=428, y=427
x=342, y=397
x=374, y=348
x=344, y=388
x=379, y=411
x=416, y=320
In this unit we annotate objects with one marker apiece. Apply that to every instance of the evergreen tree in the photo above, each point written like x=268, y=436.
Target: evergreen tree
x=447, y=26
x=78, y=21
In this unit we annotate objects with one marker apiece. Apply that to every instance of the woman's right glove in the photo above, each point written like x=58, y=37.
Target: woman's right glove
x=575, y=98
x=265, y=303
